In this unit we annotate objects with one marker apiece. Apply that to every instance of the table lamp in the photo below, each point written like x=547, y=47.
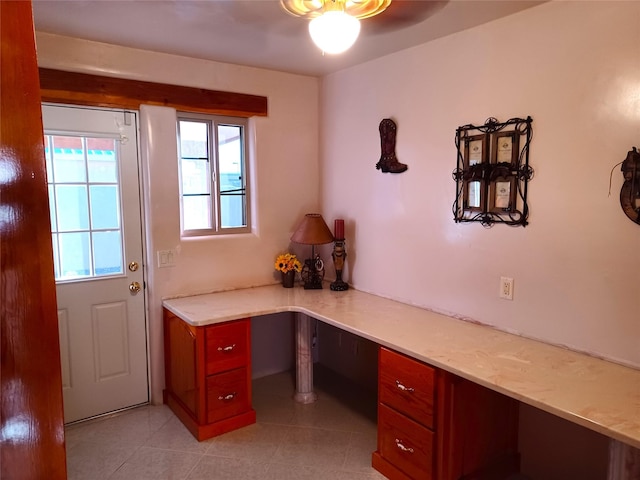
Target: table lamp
x=312, y=231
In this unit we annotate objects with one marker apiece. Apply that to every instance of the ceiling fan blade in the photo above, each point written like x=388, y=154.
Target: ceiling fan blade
x=402, y=14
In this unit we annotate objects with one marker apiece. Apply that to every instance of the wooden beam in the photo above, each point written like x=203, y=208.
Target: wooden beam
x=58, y=86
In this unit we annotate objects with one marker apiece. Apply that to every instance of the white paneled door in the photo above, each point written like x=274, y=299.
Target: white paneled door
x=96, y=228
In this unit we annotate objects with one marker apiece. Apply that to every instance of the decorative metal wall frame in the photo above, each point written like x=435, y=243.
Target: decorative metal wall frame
x=493, y=172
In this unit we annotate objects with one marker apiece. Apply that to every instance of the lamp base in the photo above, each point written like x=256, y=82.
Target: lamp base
x=339, y=286
x=313, y=273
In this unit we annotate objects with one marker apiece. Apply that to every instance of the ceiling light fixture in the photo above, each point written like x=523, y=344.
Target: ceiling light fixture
x=334, y=25
x=334, y=32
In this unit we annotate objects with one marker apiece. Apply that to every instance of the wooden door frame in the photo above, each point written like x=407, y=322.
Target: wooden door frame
x=31, y=415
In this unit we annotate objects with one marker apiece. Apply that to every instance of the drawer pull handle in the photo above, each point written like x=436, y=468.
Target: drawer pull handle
x=402, y=448
x=226, y=398
x=227, y=349
x=403, y=388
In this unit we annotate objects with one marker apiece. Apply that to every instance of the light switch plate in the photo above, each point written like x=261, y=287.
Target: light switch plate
x=166, y=258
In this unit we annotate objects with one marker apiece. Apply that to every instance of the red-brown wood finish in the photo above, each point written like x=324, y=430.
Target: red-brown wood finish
x=407, y=386
x=387, y=468
x=208, y=389
x=99, y=91
x=471, y=431
x=479, y=434
x=227, y=394
x=226, y=346
x=405, y=443
x=180, y=342
x=31, y=413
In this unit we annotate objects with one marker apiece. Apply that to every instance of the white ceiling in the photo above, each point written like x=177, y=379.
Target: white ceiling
x=259, y=32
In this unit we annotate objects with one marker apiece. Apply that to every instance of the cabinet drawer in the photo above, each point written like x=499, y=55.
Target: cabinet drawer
x=227, y=394
x=407, y=385
x=405, y=444
x=226, y=346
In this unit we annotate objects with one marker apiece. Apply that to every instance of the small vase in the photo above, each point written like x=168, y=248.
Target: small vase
x=288, y=278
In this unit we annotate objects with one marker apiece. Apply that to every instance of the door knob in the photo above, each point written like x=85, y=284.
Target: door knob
x=133, y=266
x=134, y=287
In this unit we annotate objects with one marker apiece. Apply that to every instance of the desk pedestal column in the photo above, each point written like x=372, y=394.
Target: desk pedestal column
x=624, y=461
x=304, y=361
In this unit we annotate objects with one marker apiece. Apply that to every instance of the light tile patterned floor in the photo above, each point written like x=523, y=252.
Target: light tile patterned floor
x=331, y=439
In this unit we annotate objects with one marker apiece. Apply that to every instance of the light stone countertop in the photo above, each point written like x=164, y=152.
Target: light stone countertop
x=600, y=395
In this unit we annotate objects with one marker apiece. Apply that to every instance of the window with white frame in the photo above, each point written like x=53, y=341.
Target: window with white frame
x=214, y=198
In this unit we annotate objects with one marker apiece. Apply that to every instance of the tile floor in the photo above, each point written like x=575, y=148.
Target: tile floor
x=331, y=439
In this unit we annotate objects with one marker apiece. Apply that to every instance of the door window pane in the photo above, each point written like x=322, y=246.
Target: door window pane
x=47, y=157
x=107, y=252
x=52, y=209
x=105, y=211
x=75, y=260
x=73, y=207
x=101, y=160
x=56, y=256
x=85, y=209
x=68, y=160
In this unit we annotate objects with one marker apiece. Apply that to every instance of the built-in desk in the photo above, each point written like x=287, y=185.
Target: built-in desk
x=597, y=394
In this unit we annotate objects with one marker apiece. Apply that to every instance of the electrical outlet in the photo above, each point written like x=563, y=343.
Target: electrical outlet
x=506, y=288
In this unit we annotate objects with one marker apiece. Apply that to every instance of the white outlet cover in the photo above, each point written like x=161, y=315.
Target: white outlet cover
x=506, y=288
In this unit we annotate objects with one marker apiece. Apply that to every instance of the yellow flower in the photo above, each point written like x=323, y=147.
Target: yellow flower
x=286, y=262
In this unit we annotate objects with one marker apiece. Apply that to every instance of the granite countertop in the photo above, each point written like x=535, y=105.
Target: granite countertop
x=600, y=395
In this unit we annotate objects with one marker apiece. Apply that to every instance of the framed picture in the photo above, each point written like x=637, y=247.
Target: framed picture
x=492, y=172
x=502, y=195
x=505, y=147
x=502, y=190
x=474, y=195
x=475, y=150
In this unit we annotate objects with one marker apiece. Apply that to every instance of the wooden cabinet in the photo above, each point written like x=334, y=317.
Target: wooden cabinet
x=433, y=425
x=208, y=375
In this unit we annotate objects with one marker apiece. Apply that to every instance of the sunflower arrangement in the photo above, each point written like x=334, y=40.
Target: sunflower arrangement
x=287, y=262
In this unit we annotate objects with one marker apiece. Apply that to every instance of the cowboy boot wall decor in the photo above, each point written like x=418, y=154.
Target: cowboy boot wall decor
x=388, y=161
x=630, y=192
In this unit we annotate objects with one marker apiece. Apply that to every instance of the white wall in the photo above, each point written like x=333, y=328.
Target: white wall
x=285, y=171
x=574, y=67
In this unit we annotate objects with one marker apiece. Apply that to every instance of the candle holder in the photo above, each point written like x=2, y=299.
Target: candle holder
x=339, y=255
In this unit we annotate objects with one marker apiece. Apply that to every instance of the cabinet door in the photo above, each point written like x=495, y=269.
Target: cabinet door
x=477, y=431
x=180, y=361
